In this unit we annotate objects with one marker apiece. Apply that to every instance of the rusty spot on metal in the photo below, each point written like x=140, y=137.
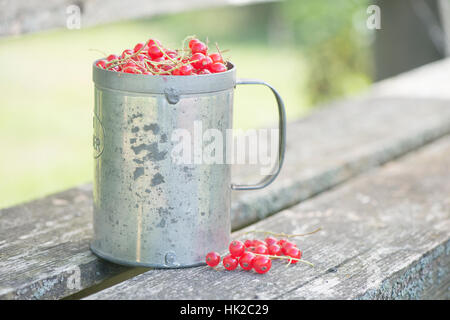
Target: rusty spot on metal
x=139, y=171
x=152, y=127
x=157, y=179
x=153, y=152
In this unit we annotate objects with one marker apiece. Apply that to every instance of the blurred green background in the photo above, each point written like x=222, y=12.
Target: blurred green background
x=311, y=51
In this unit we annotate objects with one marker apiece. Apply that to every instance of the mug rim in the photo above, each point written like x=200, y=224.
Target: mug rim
x=163, y=84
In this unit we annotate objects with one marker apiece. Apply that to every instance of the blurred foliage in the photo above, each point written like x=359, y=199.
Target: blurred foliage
x=335, y=43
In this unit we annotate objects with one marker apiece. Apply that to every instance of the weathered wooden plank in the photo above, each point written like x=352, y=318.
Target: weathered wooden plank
x=396, y=116
x=385, y=234
x=44, y=248
x=424, y=82
x=44, y=244
x=24, y=16
x=331, y=147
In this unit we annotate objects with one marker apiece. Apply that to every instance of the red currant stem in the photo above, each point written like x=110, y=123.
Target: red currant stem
x=220, y=53
x=183, y=64
x=165, y=54
x=307, y=262
x=164, y=62
x=284, y=258
x=282, y=234
x=174, y=68
x=148, y=68
x=139, y=63
x=121, y=60
x=118, y=62
x=115, y=63
x=183, y=44
x=135, y=69
x=103, y=53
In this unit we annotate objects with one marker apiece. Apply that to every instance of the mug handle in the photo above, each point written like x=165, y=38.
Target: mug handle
x=281, y=140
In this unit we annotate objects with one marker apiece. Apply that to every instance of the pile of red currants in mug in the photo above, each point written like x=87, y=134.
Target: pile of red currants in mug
x=152, y=58
x=257, y=254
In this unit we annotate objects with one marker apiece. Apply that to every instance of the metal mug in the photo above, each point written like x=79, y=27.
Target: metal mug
x=148, y=210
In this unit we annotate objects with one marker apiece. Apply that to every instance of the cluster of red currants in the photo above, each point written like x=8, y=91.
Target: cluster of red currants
x=256, y=254
x=152, y=58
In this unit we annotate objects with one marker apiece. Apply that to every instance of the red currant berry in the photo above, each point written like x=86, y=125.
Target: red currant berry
x=152, y=42
x=154, y=52
x=286, y=246
x=212, y=259
x=248, y=243
x=236, y=248
x=126, y=53
x=281, y=242
x=138, y=47
x=158, y=59
x=294, y=252
x=270, y=240
x=217, y=67
x=139, y=57
x=216, y=57
x=191, y=43
x=251, y=249
x=165, y=67
x=262, y=264
x=229, y=262
x=101, y=64
x=172, y=54
x=129, y=65
x=204, y=71
x=275, y=250
x=261, y=250
x=246, y=261
x=112, y=57
x=197, y=57
x=130, y=70
x=258, y=243
x=205, y=63
x=185, y=70
x=199, y=47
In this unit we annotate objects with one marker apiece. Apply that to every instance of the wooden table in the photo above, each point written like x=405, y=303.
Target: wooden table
x=372, y=171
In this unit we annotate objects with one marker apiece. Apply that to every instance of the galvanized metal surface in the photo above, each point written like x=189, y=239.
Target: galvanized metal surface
x=148, y=209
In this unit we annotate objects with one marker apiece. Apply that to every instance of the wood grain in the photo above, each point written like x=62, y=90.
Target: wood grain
x=44, y=250
x=386, y=235
x=327, y=148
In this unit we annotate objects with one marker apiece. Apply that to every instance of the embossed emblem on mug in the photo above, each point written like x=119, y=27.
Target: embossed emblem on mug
x=98, y=138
